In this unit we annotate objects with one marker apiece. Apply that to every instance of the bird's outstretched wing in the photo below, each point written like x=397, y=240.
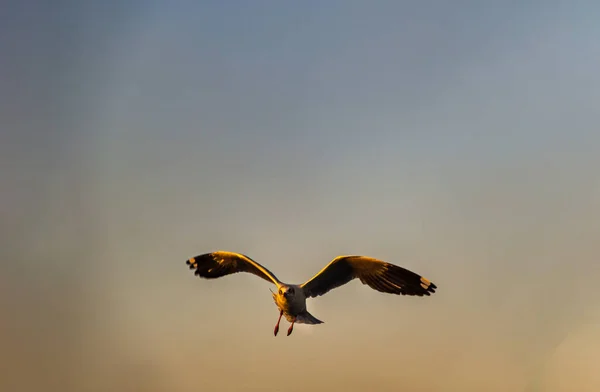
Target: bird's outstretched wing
x=379, y=275
x=220, y=263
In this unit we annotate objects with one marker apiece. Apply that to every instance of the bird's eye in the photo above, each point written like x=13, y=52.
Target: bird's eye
x=279, y=291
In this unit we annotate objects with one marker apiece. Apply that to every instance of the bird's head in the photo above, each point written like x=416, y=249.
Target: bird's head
x=286, y=291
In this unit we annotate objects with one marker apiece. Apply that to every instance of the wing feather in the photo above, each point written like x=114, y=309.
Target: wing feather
x=221, y=263
x=377, y=274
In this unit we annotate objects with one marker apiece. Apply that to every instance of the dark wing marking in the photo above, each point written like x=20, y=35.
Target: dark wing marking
x=377, y=274
x=221, y=263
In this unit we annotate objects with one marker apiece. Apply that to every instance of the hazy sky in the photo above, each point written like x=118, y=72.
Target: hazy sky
x=457, y=139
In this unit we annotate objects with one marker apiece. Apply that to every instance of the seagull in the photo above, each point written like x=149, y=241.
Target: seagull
x=291, y=298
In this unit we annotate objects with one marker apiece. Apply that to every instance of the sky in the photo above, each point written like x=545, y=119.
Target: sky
x=455, y=139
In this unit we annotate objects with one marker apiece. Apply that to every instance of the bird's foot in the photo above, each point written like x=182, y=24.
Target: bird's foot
x=290, y=329
x=278, y=321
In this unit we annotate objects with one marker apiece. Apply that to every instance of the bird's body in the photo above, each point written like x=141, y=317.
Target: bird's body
x=290, y=304
x=291, y=298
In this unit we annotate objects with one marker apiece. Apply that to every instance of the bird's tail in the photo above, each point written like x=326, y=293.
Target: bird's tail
x=307, y=318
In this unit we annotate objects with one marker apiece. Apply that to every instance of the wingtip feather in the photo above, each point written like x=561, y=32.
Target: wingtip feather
x=428, y=286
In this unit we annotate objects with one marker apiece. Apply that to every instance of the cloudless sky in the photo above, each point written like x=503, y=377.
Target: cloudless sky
x=457, y=139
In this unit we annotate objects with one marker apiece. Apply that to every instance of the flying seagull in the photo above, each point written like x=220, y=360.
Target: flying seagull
x=291, y=298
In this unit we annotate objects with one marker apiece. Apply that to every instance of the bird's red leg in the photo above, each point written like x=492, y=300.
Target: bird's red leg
x=291, y=328
x=278, y=320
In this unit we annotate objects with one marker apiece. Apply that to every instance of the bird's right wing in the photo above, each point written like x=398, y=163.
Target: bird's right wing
x=221, y=263
x=377, y=274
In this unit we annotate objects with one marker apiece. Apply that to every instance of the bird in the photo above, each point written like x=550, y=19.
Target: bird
x=290, y=299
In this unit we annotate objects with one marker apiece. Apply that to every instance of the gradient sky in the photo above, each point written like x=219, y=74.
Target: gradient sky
x=457, y=139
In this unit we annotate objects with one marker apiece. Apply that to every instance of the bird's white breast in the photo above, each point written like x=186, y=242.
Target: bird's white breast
x=294, y=305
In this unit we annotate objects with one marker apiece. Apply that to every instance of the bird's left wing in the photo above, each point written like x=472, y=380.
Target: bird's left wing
x=220, y=263
x=377, y=274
